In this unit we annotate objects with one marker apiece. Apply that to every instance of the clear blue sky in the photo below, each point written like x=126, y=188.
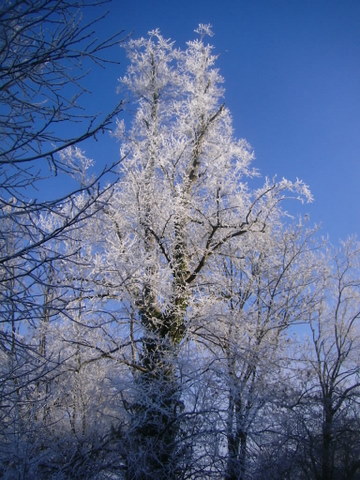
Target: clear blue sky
x=292, y=79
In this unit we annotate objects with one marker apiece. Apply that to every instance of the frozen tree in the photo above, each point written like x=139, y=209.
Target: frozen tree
x=59, y=408
x=262, y=290
x=331, y=371
x=315, y=432
x=46, y=50
x=182, y=199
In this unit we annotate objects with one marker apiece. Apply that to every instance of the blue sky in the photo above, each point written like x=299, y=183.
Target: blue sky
x=292, y=79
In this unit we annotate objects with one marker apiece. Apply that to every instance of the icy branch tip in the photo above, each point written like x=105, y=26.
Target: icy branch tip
x=204, y=30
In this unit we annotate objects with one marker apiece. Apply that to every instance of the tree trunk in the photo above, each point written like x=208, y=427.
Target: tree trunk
x=327, y=460
x=153, y=450
x=235, y=468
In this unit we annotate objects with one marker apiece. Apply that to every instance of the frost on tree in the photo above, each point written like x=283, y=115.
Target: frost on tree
x=182, y=198
x=149, y=327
